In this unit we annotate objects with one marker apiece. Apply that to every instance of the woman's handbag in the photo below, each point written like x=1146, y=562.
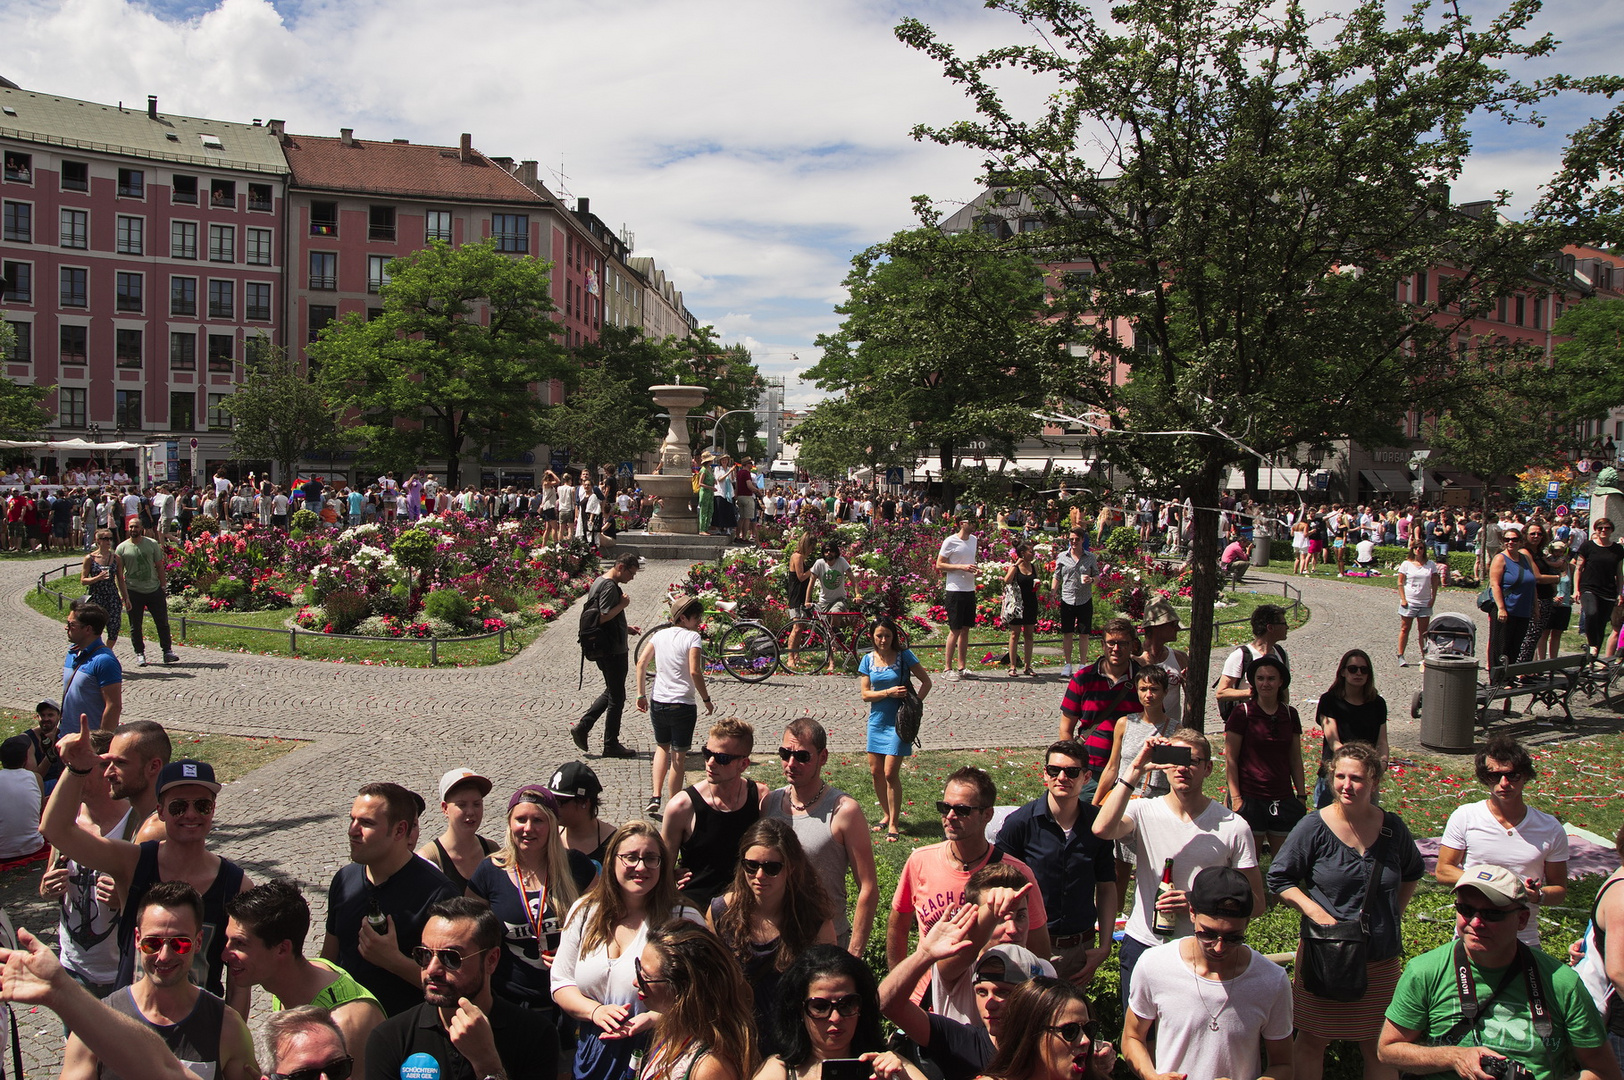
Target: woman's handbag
x=1013, y=607
x=910, y=713
x=1485, y=601
x=1335, y=957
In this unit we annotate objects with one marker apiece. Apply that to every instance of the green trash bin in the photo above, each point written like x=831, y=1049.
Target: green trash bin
x=1449, y=705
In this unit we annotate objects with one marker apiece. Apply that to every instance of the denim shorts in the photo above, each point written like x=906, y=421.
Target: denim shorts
x=674, y=723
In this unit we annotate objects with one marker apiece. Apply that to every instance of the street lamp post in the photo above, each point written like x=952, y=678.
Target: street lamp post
x=717, y=426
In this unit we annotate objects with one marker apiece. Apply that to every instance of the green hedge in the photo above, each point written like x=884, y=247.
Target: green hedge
x=1461, y=563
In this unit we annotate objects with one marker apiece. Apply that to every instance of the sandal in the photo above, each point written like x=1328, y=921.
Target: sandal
x=1029, y=671
x=1014, y=674
x=880, y=827
x=892, y=837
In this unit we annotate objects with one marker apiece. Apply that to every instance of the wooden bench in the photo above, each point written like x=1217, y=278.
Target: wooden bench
x=1546, y=682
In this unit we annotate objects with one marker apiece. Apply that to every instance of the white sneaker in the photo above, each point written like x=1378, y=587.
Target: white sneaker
x=951, y=675
x=1065, y=669
x=140, y=659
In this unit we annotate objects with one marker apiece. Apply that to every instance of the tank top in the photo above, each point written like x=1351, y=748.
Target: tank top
x=85, y=927
x=341, y=992
x=712, y=852
x=195, y=1040
x=208, y=964
x=448, y=866
x=1173, y=702
x=815, y=830
x=1613, y=1014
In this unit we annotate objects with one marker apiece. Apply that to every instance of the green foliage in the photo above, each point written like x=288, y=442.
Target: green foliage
x=230, y=588
x=278, y=413
x=345, y=608
x=414, y=548
x=397, y=601
x=1120, y=544
x=22, y=410
x=1592, y=356
x=447, y=604
x=305, y=520
x=598, y=420
x=843, y=433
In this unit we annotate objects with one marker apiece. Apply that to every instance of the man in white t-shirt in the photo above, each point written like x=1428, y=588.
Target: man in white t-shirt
x=956, y=561
x=1184, y=825
x=1210, y=995
x=677, y=656
x=833, y=574
x=1504, y=830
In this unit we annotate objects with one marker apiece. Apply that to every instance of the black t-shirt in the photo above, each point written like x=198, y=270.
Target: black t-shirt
x=1354, y=723
x=1600, y=573
x=405, y=898
x=961, y=1051
x=528, y=1046
x=522, y=976
x=605, y=594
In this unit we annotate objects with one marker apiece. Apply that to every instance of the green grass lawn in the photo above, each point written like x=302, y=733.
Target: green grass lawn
x=232, y=756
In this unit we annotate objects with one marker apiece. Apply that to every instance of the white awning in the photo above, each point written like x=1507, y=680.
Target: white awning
x=68, y=445
x=1271, y=479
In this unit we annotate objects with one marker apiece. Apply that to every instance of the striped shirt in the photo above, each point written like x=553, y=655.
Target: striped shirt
x=1097, y=701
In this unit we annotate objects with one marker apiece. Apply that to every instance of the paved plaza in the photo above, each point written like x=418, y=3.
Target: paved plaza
x=510, y=720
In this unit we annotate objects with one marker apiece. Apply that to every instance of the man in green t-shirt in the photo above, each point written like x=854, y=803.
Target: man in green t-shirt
x=142, y=590
x=1427, y=1031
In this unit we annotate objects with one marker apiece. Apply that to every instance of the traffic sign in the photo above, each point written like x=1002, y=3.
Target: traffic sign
x=1553, y=489
x=1562, y=510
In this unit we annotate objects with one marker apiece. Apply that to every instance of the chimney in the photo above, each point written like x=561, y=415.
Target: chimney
x=583, y=205
x=256, y=121
x=402, y=142
x=527, y=173
x=152, y=106
x=504, y=163
x=278, y=129
x=466, y=153
x=346, y=136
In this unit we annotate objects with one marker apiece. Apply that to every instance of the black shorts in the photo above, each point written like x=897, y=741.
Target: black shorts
x=549, y=514
x=674, y=723
x=1274, y=816
x=961, y=610
x=1561, y=616
x=1076, y=618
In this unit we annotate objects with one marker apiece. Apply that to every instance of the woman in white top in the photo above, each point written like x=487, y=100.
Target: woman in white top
x=1419, y=579
x=677, y=654
x=594, y=974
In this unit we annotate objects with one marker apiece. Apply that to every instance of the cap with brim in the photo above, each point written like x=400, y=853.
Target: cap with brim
x=1160, y=613
x=463, y=776
x=187, y=771
x=1502, y=888
x=1011, y=964
x=47, y=704
x=1221, y=892
x=575, y=780
x=536, y=793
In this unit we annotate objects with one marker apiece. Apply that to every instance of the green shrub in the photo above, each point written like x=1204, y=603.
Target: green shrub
x=397, y=601
x=448, y=605
x=345, y=609
x=414, y=548
x=228, y=588
x=1121, y=544
x=305, y=520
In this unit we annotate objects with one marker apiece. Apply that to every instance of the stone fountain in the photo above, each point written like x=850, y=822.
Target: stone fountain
x=673, y=485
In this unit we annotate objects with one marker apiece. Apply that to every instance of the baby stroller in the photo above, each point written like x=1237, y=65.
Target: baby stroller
x=1449, y=637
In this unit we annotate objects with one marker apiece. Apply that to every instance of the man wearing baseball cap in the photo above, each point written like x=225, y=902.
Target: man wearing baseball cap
x=186, y=805
x=1210, y=995
x=1466, y=1006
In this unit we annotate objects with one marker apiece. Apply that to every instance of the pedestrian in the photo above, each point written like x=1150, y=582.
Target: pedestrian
x=704, y=822
x=1263, y=756
x=1561, y=604
x=610, y=601
x=1024, y=577
x=142, y=588
x=1419, y=579
x=92, y=678
x=458, y=851
x=695, y=988
x=100, y=574
x=1545, y=579
x=705, y=489
x=828, y=1009
x=1098, y=696
x=1350, y=711
x=1074, y=572
x=677, y=655
x=578, y=792
x=1601, y=955
x=956, y=562
x=883, y=679
x=1512, y=577
x=1049, y=1035
x=1161, y=628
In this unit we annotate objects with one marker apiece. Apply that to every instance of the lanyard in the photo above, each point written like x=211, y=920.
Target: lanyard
x=1472, y=1011
x=534, y=916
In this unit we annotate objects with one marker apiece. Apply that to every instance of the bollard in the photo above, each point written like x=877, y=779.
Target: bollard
x=183, y=628
x=434, y=650
x=293, y=641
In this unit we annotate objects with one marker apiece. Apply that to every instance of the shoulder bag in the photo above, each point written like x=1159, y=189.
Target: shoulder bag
x=910, y=711
x=1013, y=607
x=1334, y=957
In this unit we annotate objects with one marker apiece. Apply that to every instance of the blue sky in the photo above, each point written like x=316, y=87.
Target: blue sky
x=751, y=147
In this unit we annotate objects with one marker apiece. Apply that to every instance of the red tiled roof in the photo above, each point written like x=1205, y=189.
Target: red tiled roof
x=391, y=168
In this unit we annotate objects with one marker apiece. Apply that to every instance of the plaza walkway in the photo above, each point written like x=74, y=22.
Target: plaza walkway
x=409, y=725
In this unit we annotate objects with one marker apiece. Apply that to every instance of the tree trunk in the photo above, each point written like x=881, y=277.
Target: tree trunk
x=945, y=460
x=1203, y=491
x=453, y=462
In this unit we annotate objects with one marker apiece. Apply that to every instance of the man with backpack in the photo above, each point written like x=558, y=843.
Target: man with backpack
x=1269, y=629
x=603, y=636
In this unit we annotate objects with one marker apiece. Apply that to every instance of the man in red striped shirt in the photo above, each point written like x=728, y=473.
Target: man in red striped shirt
x=1099, y=694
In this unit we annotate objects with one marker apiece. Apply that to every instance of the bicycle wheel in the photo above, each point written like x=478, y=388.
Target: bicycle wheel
x=748, y=652
x=650, y=632
x=803, y=647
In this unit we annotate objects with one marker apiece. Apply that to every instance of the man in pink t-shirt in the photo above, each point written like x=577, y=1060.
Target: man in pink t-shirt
x=934, y=878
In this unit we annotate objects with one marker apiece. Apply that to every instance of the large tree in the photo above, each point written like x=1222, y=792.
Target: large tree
x=453, y=363
x=23, y=414
x=1263, y=198
x=278, y=414
x=840, y=435
x=1591, y=356
x=602, y=420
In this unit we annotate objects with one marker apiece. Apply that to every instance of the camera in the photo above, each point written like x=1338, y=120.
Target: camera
x=1506, y=1069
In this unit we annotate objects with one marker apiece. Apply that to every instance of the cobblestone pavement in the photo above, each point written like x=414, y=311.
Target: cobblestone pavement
x=511, y=721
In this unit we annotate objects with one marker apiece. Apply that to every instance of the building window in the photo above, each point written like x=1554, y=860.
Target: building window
x=75, y=176
x=182, y=351
x=182, y=410
x=437, y=226
x=183, y=239
x=223, y=300
x=222, y=352
x=19, y=282
x=73, y=346
x=1503, y=309
x=323, y=270
x=377, y=272
x=22, y=347
x=19, y=167
x=1521, y=302
x=183, y=296
x=1539, y=304
x=381, y=223
x=219, y=415
x=128, y=292
x=70, y=407
x=374, y=313
x=222, y=243
x=259, y=197
x=183, y=190
x=320, y=316
x=73, y=290
x=132, y=184
x=511, y=232
x=19, y=222
x=324, y=219
x=223, y=194
x=128, y=415
x=127, y=348
x=257, y=299
x=130, y=235
x=258, y=251
x=75, y=229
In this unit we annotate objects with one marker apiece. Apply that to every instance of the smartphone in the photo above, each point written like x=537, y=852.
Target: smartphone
x=846, y=1069
x=1170, y=755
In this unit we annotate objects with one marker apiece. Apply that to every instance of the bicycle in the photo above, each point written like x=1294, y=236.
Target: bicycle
x=809, y=643
x=744, y=649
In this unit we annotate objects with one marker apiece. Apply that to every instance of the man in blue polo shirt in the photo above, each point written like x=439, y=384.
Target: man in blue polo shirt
x=92, y=678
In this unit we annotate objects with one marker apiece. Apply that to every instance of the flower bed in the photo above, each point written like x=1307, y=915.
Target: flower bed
x=447, y=576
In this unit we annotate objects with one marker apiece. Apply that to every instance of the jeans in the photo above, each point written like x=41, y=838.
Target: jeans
x=1129, y=950
x=156, y=603
x=612, y=702
x=1596, y=610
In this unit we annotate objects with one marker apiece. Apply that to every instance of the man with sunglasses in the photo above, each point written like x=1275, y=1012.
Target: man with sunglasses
x=186, y=804
x=306, y=1044
x=1486, y=996
x=1596, y=568
x=470, y=1033
x=830, y=826
x=1210, y=996
x=1099, y=695
x=206, y=1036
x=1076, y=870
x=704, y=822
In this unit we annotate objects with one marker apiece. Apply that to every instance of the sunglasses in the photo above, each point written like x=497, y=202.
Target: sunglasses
x=1357, y=669
x=772, y=867
x=643, y=858
x=946, y=808
x=1054, y=772
x=721, y=758
x=786, y=754
x=642, y=979
x=450, y=959
x=1234, y=937
x=1075, y=1031
x=1494, y=776
x=336, y=1069
x=177, y=807
x=1481, y=914
x=153, y=944
x=820, y=1008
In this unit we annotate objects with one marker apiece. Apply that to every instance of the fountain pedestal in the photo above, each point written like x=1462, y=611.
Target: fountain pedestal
x=673, y=485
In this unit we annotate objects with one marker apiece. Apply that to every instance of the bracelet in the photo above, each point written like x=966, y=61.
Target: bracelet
x=1127, y=785
x=78, y=772
x=706, y=700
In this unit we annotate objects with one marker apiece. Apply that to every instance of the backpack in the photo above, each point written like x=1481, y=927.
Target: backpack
x=589, y=633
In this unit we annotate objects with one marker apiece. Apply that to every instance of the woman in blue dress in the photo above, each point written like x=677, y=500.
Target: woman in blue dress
x=883, y=674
